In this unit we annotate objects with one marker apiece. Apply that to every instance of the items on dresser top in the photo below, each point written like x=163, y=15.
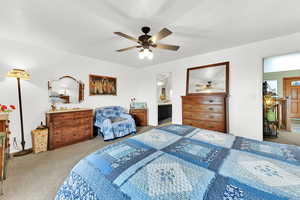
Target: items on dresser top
x=140, y=116
x=138, y=105
x=69, y=127
x=113, y=122
x=4, y=146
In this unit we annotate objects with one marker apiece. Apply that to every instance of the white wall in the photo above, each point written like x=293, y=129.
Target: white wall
x=45, y=64
x=246, y=72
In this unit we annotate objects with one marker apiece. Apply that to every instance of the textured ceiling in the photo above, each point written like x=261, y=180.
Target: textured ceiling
x=86, y=27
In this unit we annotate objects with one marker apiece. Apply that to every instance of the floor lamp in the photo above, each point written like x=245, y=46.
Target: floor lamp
x=20, y=74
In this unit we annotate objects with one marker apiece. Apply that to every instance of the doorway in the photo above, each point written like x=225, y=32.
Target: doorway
x=281, y=99
x=164, y=98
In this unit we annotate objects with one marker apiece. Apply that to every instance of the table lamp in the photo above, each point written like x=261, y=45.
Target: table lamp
x=20, y=74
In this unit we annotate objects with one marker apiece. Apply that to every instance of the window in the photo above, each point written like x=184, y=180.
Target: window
x=272, y=86
x=295, y=83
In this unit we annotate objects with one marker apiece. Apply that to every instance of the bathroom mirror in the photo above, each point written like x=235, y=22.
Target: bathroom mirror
x=66, y=90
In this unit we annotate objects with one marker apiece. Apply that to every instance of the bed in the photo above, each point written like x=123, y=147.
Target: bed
x=183, y=162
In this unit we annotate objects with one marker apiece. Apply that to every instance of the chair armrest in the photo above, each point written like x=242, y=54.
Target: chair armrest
x=100, y=121
x=126, y=116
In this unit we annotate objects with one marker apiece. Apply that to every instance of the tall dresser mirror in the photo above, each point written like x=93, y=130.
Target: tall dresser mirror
x=66, y=90
x=205, y=104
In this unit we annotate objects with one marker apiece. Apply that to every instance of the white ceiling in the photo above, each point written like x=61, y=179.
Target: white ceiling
x=86, y=27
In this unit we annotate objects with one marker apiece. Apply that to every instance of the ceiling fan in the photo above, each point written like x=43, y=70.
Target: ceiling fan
x=146, y=42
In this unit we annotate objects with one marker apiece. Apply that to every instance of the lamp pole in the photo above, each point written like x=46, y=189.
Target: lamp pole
x=20, y=74
x=21, y=115
x=23, y=152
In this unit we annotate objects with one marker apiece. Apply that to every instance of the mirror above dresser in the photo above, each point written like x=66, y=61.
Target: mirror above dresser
x=65, y=90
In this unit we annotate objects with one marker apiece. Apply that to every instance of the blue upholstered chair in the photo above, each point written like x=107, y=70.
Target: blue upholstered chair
x=112, y=122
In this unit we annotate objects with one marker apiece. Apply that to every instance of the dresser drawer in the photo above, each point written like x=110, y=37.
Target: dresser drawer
x=217, y=126
x=203, y=108
x=203, y=100
x=203, y=116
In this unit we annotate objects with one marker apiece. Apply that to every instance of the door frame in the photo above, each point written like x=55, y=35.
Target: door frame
x=285, y=79
x=284, y=83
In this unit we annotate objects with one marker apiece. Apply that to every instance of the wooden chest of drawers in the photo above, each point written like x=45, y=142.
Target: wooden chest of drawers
x=205, y=111
x=69, y=127
x=140, y=116
x=4, y=144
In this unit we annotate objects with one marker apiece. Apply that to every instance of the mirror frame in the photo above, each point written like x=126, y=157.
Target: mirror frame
x=206, y=66
x=81, y=87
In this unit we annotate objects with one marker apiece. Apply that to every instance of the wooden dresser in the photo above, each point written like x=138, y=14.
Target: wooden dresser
x=69, y=127
x=4, y=144
x=205, y=111
x=140, y=116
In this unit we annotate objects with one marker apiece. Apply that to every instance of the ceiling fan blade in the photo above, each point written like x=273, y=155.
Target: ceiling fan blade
x=160, y=35
x=167, y=46
x=126, y=36
x=128, y=48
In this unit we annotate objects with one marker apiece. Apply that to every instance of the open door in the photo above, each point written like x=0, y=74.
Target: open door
x=292, y=94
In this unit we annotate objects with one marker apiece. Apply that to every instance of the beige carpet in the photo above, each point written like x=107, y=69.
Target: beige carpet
x=285, y=137
x=38, y=176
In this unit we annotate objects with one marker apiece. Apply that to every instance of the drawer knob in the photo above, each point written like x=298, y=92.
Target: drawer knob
x=210, y=109
x=210, y=101
x=211, y=117
x=210, y=126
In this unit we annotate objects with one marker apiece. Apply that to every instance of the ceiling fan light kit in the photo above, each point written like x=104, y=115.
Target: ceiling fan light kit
x=146, y=53
x=146, y=42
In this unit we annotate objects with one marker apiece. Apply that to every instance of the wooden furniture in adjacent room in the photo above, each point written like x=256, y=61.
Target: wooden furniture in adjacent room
x=205, y=111
x=140, y=116
x=69, y=127
x=4, y=146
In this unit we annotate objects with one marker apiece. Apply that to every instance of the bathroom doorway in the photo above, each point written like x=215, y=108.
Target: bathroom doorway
x=164, y=98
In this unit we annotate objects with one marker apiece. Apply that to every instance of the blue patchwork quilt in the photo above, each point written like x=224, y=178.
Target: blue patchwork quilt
x=183, y=162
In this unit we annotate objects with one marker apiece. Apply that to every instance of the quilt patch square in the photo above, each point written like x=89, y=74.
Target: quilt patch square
x=200, y=153
x=177, y=129
x=168, y=177
x=282, y=152
x=229, y=189
x=114, y=159
x=266, y=174
x=157, y=138
x=213, y=137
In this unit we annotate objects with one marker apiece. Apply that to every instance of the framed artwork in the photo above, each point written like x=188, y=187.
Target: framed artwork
x=208, y=79
x=102, y=85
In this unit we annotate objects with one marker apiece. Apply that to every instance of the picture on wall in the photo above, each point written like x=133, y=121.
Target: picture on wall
x=102, y=85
